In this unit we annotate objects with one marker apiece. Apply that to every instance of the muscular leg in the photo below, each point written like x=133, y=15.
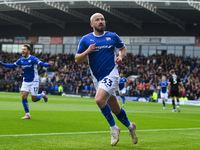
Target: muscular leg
x=101, y=100
x=24, y=94
x=34, y=98
x=24, y=101
x=114, y=105
x=119, y=112
x=37, y=98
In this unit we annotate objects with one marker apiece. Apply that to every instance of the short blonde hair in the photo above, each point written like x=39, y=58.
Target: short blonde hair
x=94, y=15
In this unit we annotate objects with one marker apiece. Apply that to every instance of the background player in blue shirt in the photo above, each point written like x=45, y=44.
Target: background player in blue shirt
x=99, y=48
x=163, y=87
x=122, y=87
x=30, y=82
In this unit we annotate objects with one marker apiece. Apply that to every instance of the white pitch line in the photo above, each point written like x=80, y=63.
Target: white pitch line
x=94, y=132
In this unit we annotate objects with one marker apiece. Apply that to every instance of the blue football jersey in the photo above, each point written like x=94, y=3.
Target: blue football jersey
x=30, y=68
x=122, y=83
x=164, y=86
x=102, y=60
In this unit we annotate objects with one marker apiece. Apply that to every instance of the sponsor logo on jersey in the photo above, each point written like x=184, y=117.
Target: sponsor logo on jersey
x=24, y=66
x=92, y=40
x=97, y=48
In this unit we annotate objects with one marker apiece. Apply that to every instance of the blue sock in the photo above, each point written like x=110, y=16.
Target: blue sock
x=163, y=103
x=123, y=99
x=123, y=118
x=25, y=105
x=39, y=96
x=106, y=111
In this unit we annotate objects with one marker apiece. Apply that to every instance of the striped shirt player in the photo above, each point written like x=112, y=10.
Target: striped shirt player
x=30, y=82
x=99, y=48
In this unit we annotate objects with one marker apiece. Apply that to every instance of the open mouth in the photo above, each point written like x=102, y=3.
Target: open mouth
x=101, y=25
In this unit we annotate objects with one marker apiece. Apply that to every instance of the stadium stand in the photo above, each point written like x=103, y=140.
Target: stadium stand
x=129, y=18
x=77, y=78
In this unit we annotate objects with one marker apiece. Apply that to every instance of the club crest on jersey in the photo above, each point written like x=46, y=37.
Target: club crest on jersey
x=108, y=38
x=29, y=61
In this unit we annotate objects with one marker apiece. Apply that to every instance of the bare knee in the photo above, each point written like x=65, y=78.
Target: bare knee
x=100, y=102
x=34, y=98
x=24, y=97
x=101, y=98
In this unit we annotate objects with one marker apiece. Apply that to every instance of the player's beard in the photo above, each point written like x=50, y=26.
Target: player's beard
x=100, y=29
x=25, y=55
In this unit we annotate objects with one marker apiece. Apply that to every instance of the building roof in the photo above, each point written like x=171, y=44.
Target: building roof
x=183, y=14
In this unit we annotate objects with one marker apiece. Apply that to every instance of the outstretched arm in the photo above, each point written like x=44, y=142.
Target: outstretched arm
x=8, y=65
x=51, y=63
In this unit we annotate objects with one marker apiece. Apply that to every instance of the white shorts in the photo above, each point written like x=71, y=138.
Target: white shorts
x=164, y=95
x=109, y=84
x=31, y=87
x=123, y=91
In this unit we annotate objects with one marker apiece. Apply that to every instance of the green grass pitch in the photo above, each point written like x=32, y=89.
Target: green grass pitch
x=66, y=123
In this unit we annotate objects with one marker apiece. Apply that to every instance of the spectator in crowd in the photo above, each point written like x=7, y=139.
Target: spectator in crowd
x=48, y=88
x=60, y=89
x=154, y=97
x=71, y=89
x=56, y=89
x=16, y=87
x=52, y=89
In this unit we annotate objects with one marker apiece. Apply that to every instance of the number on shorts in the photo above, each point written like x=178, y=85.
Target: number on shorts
x=35, y=89
x=107, y=82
